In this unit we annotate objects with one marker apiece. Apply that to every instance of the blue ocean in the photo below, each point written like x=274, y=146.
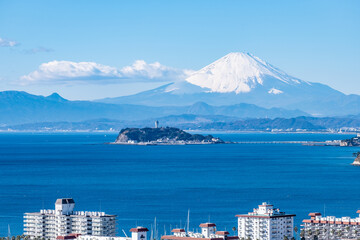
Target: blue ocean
x=139, y=183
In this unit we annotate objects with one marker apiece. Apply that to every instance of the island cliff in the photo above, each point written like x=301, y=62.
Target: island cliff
x=163, y=135
x=357, y=159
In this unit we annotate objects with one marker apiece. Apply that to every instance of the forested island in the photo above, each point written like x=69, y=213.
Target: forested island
x=163, y=136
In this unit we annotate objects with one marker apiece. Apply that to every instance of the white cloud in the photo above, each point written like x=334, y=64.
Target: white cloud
x=69, y=72
x=7, y=43
x=142, y=70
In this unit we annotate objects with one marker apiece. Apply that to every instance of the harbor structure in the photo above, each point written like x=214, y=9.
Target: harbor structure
x=208, y=232
x=266, y=223
x=331, y=227
x=63, y=220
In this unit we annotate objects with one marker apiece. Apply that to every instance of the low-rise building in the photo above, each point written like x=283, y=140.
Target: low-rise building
x=63, y=220
x=138, y=233
x=208, y=232
x=331, y=227
x=265, y=223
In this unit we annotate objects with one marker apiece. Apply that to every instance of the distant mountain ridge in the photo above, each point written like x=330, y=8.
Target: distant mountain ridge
x=245, y=78
x=199, y=122
x=21, y=107
x=237, y=86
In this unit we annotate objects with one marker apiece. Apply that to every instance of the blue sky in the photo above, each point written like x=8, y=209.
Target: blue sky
x=316, y=41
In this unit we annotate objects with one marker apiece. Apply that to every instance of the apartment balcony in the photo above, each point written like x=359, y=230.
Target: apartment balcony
x=28, y=225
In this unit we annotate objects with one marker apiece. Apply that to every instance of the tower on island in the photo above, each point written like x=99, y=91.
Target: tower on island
x=156, y=124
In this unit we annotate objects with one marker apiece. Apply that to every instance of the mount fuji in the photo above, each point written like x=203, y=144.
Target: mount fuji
x=244, y=78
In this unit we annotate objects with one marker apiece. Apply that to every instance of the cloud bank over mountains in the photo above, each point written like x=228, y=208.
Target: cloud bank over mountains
x=58, y=72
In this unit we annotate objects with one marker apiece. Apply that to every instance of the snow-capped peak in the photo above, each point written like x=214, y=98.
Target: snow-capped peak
x=238, y=72
x=275, y=91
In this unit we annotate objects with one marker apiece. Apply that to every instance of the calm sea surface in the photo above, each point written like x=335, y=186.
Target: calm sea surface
x=139, y=183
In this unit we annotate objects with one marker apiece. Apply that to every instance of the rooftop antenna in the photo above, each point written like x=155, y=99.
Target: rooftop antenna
x=324, y=210
x=188, y=221
x=124, y=233
x=209, y=218
x=164, y=230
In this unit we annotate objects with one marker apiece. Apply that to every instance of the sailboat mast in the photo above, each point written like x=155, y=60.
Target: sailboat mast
x=188, y=221
x=155, y=230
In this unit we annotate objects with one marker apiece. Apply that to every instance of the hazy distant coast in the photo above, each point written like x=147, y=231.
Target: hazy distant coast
x=207, y=123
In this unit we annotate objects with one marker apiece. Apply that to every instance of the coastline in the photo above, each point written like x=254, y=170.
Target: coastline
x=166, y=144
x=187, y=130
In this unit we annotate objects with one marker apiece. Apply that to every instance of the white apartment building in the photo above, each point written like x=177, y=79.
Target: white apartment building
x=265, y=222
x=208, y=232
x=331, y=227
x=49, y=224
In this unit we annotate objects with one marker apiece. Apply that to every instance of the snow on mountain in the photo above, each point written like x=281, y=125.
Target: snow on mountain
x=244, y=78
x=239, y=73
x=275, y=91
